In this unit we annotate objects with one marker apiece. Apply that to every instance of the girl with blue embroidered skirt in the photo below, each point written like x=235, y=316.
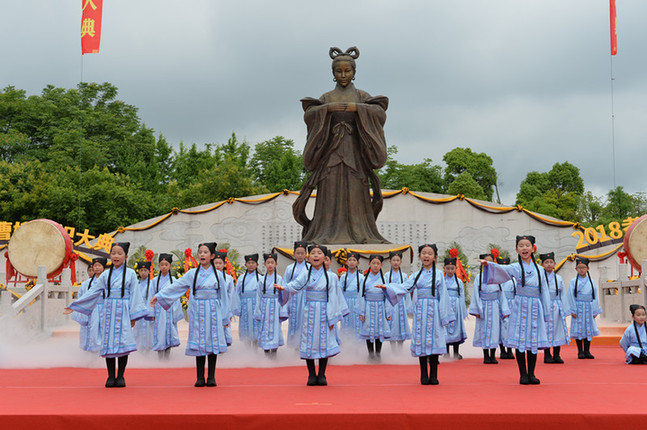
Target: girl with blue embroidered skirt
x=509, y=291
x=531, y=307
x=122, y=306
x=557, y=329
x=165, y=334
x=455, y=333
x=432, y=311
x=208, y=311
x=351, y=285
x=246, y=301
x=90, y=332
x=373, y=309
x=144, y=327
x=400, y=330
x=634, y=339
x=269, y=311
x=324, y=307
x=295, y=305
x=219, y=264
x=583, y=307
x=490, y=307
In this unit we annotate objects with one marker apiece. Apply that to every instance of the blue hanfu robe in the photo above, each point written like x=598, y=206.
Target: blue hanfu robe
x=509, y=291
x=375, y=307
x=269, y=313
x=351, y=285
x=432, y=310
x=246, y=303
x=556, y=327
x=634, y=342
x=400, y=330
x=455, y=331
x=231, y=294
x=165, y=334
x=531, y=306
x=90, y=332
x=144, y=327
x=324, y=307
x=295, y=305
x=117, y=313
x=585, y=306
x=208, y=309
x=491, y=306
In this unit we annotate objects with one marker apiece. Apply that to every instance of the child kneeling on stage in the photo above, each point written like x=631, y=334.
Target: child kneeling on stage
x=634, y=340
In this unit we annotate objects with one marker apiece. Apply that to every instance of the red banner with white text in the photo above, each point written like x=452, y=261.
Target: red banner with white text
x=91, y=26
x=614, y=20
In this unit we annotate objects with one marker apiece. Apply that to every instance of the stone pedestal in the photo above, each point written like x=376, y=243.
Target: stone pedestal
x=365, y=250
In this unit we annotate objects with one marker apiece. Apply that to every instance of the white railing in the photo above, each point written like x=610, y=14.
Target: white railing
x=616, y=296
x=42, y=306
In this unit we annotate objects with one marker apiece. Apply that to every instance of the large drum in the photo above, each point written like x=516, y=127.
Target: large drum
x=41, y=242
x=636, y=242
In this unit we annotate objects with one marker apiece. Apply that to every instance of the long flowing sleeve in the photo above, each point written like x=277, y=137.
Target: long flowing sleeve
x=476, y=306
x=171, y=292
x=336, y=308
x=86, y=304
x=81, y=318
x=396, y=292
x=224, y=307
x=136, y=305
x=445, y=305
x=462, y=300
x=595, y=303
x=504, y=308
x=571, y=308
x=627, y=338
x=293, y=287
x=563, y=295
x=500, y=273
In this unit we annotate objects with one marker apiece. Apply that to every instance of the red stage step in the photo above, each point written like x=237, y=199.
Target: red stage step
x=602, y=393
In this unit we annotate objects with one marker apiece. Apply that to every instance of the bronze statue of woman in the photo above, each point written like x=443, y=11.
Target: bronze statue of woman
x=345, y=144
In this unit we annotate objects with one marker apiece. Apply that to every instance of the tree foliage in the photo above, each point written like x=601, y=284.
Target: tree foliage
x=479, y=166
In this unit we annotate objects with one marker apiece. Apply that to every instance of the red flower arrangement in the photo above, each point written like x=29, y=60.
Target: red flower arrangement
x=495, y=253
x=453, y=253
x=149, y=255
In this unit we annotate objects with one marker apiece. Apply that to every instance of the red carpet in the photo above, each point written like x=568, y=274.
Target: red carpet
x=601, y=393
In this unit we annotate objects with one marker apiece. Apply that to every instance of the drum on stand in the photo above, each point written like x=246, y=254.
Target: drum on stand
x=635, y=242
x=41, y=242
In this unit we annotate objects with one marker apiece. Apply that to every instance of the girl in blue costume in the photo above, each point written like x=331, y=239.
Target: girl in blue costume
x=295, y=305
x=122, y=306
x=144, y=328
x=373, y=309
x=432, y=311
x=269, y=311
x=490, y=307
x=351, y=285
x=455, y=333
x=208, y=312
x=90, y=333
x=530, y=309
x=220, y=264
x=400, y=330
x=324, y=307
x=634, y=339
x=557, y=330
x=165, y=334
x=583, y=307
x=246, y=302
x=509, y=291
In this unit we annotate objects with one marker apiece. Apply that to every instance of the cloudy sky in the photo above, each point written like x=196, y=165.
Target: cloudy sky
x=526, y=81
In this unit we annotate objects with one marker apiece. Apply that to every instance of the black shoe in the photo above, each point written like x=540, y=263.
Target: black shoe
x=493, y=359
x=110, y=382
x=458, y=357
x=580, y=355
x=557, y=359
x=199, y=382
x=120, y=382
x=312, y=380
x=532, y=380
x=424, y=380
x=549, y=358
x=321, y=380
x=211, y=382
x=587, y=354
x=433, y=381
x=524, y=380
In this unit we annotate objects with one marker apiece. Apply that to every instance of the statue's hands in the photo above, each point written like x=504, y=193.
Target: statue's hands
x=337, y=107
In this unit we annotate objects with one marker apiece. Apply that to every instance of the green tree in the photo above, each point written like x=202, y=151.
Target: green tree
x=479, y=166
x=465, y=184
x=424, y=176
x=276, y=165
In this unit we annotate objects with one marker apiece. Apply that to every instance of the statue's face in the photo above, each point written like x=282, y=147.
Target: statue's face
x=343, y=72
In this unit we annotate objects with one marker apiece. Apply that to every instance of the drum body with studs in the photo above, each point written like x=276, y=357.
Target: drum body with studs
x=41, y=242
x=636, y=242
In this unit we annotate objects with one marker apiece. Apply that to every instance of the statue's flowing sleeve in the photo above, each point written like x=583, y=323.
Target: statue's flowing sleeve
x=371, y=118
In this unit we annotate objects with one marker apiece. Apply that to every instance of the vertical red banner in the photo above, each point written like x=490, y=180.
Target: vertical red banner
x=91, y=26
x=614, y=34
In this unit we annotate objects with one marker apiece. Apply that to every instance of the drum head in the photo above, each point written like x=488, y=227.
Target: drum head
x=36, y=243
x=636, y=242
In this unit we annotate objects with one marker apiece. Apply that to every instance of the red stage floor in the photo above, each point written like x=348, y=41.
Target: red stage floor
x=602, y=393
